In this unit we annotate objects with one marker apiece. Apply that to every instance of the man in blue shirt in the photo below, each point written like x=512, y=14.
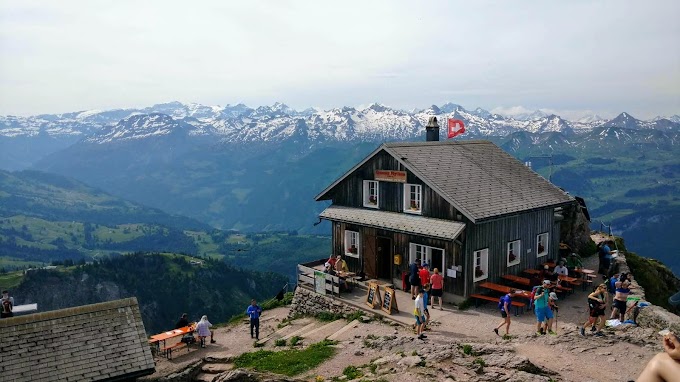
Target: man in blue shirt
x=607, y=259
x=254, y=312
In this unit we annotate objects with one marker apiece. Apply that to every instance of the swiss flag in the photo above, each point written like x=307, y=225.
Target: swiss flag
x=456, y=127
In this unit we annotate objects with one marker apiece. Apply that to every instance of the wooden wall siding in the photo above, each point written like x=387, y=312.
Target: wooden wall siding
x=350, y=192
x=400, y=245
x=495, y=235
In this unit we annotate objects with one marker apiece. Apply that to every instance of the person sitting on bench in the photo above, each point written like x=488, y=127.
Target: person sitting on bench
x=203, y=330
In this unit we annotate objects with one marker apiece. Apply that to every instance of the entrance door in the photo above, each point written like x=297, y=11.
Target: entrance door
x=437, y=260
x=384, y=249
x=370, y=257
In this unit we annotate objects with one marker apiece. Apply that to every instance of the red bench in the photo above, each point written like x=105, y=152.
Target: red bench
x=518, y=305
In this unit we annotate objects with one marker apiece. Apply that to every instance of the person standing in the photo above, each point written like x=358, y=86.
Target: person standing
x=182, y=322
x=6, y=305
x=419, y=313
x=424, y=274
x=437, y=282
x=619, y=304
x=254, y=312
x=414, y=278
x=606, y=259
x=543, y=313
x=597, y=302
x=504, y=305
x=203, y=330
x=426, y=298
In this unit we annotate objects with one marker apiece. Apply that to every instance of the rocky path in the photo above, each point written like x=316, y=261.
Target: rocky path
x=461, y=346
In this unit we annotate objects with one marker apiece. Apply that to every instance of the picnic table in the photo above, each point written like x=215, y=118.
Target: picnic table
x=533, y=272
x=517, y=280
x=156, y=339
x=585, y=276
x=503, y=289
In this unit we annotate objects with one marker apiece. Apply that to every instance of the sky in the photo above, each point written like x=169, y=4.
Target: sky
x=572, y=57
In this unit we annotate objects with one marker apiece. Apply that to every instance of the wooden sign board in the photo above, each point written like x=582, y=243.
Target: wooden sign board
x=390, y=301
x=390, y=176
x=373, y=296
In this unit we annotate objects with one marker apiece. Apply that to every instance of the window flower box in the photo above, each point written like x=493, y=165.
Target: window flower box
x=479, y=272
x=372, y=199
x=353, y=250
x=415, y=206
x=512, y=257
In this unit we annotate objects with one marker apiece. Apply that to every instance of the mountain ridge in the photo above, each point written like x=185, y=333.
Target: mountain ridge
x=240, y=123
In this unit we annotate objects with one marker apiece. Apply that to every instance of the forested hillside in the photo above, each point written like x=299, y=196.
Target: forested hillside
x=165, y=285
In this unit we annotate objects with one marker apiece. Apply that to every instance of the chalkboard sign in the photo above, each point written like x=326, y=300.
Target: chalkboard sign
x=373, y=295
x=390, y=301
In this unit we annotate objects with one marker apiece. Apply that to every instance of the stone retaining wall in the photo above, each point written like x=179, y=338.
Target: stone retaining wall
x=309, y=303
x=652, y=316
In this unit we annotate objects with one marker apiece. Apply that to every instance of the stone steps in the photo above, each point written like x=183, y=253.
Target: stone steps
x=324, y=331
x=337, y=335
x=292, y=327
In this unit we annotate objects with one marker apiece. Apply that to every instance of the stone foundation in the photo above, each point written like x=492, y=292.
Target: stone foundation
x=309, y=303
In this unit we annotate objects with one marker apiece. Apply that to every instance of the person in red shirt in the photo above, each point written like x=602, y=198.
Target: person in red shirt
x=331, y=261
x=424, y=274
x=437, y=282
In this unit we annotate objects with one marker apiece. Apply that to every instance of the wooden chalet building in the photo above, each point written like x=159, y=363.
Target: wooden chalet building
x=467, y=208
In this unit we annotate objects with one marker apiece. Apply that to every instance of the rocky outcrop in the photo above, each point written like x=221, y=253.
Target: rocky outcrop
x=475, y=361
x=310, y=303
x=240, y=375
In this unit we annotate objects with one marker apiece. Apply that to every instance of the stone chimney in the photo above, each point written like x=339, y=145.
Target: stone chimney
x=432, y=129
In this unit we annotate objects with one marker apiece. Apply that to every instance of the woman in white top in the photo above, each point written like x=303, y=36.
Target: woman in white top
x=203, y=330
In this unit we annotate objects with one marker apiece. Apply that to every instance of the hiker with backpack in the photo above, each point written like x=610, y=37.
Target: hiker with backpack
x=504, y=304
x=6, y=305
x=597, y=302
x=544, y=315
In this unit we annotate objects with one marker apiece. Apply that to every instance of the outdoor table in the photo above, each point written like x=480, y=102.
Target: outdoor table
x=157, y=338
x=517, y=280
x=532, y=272
x=505, y=289
x=349, y=276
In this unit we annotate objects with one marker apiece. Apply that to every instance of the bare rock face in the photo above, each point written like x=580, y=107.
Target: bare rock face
x=240, y=375
x=658, y=318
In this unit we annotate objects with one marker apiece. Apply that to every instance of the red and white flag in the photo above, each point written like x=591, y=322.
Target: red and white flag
x=456, y=127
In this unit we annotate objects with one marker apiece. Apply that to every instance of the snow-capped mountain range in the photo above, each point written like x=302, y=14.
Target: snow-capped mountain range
x=278, y=122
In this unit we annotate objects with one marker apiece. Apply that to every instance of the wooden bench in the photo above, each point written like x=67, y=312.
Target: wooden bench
x=518, y=305
x=168, y=349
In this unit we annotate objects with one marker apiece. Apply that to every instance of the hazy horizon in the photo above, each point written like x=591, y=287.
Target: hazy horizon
x=570, y=59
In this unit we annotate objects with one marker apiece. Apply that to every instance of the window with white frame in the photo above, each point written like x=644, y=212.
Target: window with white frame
x=412, y=198
x=481, y=264
x=542, y=244
x=371, y=195
x=352, y=247
x=425, y=254
x=514, y=250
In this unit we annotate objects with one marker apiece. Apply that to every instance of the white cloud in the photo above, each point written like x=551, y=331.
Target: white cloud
x=73, y=55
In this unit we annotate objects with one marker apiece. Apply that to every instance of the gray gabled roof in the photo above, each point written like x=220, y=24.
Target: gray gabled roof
x=99, y=342
x=477, y=177
x=393, y=221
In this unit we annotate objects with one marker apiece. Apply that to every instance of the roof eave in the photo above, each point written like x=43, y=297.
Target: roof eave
x=503, y=216
x=322, y=195
x=393, y=229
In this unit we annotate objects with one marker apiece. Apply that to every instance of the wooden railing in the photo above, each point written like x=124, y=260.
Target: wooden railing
x=305, y=278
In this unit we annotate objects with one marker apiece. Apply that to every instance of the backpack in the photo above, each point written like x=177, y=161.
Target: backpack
x=611, y=285
x=188, y=339
x=6, y=306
